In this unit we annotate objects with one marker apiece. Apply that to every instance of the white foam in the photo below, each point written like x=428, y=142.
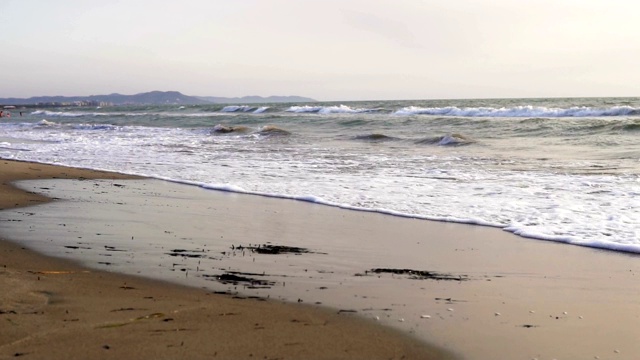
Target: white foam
x=237, y=108
x=45, y=122
x=519, y=111
x=56, y=113
x=453, y=140
x=338, y=109
x=304, y=109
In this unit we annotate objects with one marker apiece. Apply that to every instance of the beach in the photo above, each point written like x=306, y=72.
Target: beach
x=478, y=292
x=57, y=309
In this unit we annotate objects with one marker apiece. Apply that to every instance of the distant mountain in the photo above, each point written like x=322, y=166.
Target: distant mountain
x=256, y=99
x=152, y=98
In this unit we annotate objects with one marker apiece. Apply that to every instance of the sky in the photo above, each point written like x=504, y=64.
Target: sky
x=329, y=50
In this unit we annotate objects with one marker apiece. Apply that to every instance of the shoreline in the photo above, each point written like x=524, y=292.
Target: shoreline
x=510, y=298
x=58, y=309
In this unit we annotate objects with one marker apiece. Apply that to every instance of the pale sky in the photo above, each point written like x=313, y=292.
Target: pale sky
x=323, y=49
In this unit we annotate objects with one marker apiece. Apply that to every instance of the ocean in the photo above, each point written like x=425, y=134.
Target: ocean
x=564, y=170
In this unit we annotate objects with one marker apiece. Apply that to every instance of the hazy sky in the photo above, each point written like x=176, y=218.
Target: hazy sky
x=324, y=49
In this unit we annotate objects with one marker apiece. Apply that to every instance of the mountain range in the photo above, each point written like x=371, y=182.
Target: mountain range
x=255, y=99
x=152, y=97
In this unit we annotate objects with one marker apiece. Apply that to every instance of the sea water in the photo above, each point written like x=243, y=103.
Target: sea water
x=565, y=170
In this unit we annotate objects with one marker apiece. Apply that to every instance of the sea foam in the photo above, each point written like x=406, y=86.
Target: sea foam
x=519, y=111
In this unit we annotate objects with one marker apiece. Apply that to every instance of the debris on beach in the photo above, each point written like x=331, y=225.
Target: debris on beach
x=236, y=278
x=270, y=249
x=112, y=248
x=186, y=253
x=347, y=311
x=449, y=300
x=418, y=274
x=279, y=249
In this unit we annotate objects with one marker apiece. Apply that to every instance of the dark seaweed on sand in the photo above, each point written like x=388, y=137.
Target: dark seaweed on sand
x=279, y=249
x=231, y=278
x=420, y=274
x=275, y=249
x=186, y=253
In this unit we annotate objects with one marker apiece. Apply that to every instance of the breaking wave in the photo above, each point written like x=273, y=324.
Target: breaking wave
x=339, y=109
x=245, y=109
x=273, y=131
x=519, y=111
x=447, y=140
x=226, y=129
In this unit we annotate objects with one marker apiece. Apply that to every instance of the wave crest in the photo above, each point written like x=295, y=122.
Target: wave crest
x=340, y=109
x=225, y=129
x=45, y=122
x=273, y=131
x=447, y=140
x=56, y=113
x=374, y=137
x=519, y=111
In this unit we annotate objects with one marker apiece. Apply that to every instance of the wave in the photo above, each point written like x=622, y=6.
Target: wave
x=94, y=127
x=49, y=124
x=447, y=140
x=618, y=126
x=244, y=108
x=7, y=146
x=353, y=122
x=66, y=114
x=44, y=122
x=57, y=113
x=237, y=108
x=273, y=131
x=374, y=138
x=225, y=129
x=339, y=109
x=86, y=114
x=631, y=127
x=519, y=111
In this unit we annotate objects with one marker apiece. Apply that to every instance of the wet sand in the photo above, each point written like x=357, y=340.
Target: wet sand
x=51, y=308
x=480, y=292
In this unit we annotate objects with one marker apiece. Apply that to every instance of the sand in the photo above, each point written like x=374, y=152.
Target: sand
x=56, y=309
x=478, y=292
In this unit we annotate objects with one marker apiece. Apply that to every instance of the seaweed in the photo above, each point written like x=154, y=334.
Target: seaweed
x=233, y=278
x=185, y=253
x=420, y=274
